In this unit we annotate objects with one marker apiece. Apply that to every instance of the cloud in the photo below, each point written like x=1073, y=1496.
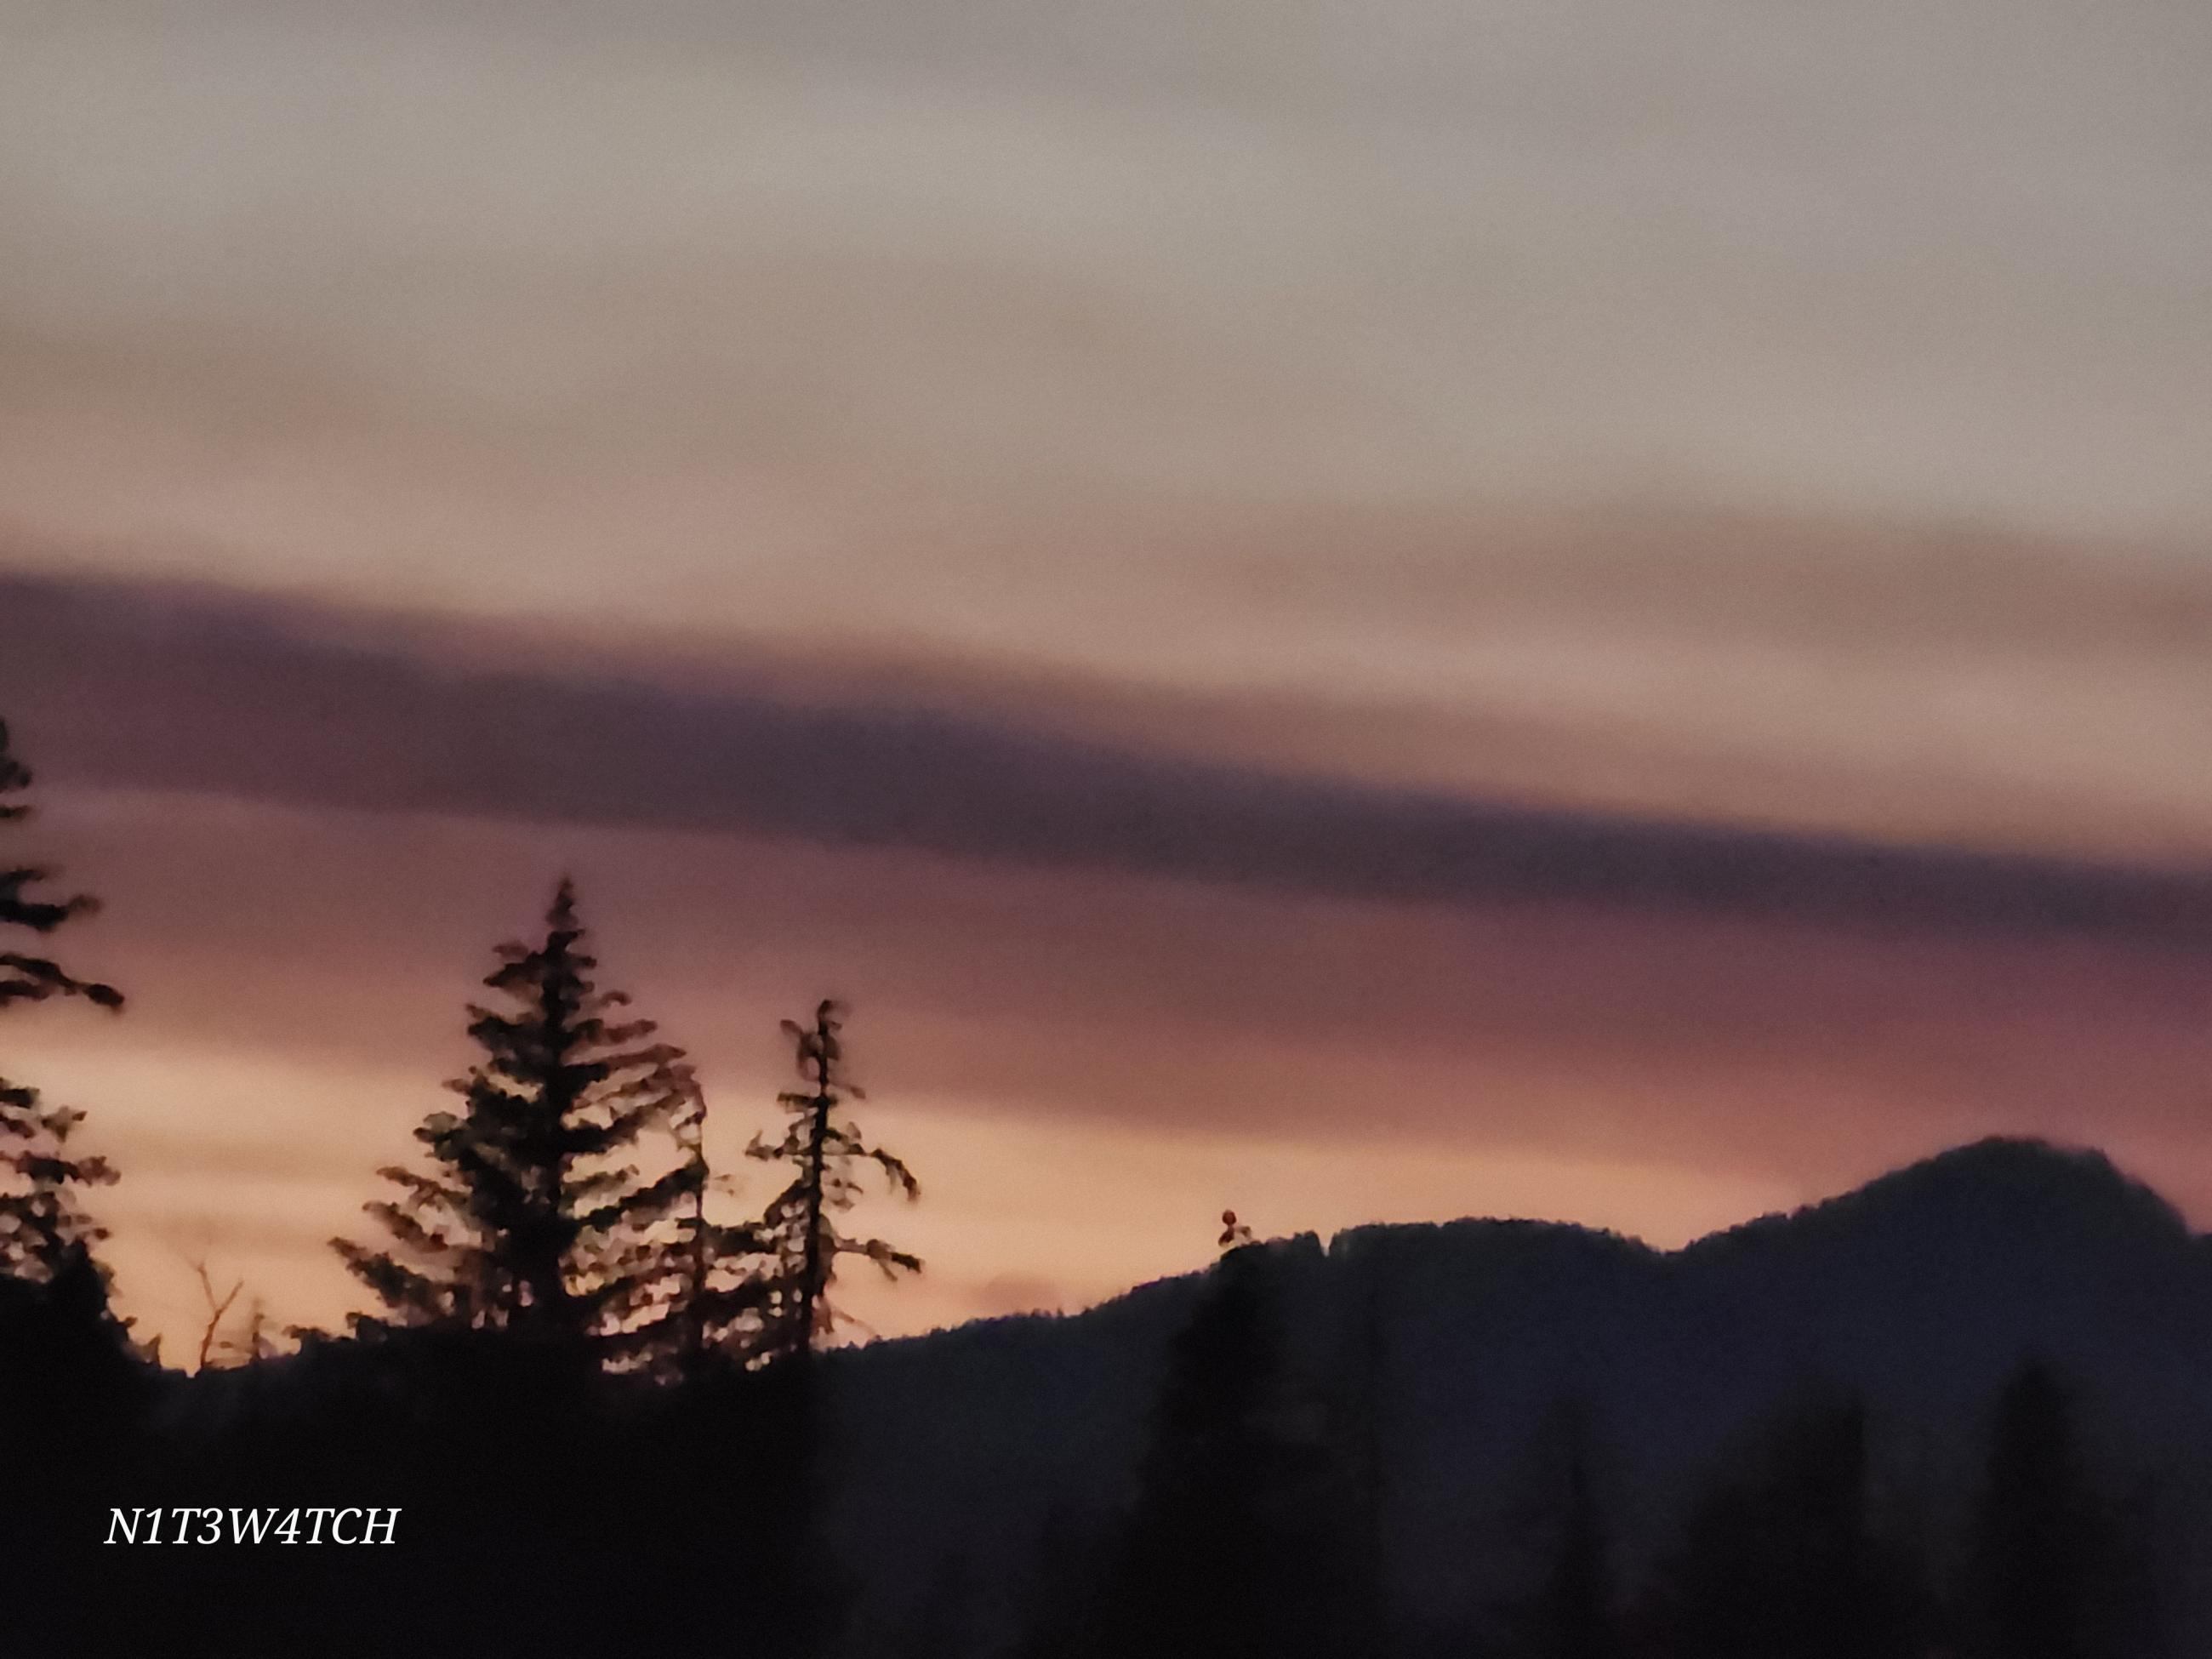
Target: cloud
x=298, y=973
x=1391, y=252
x=311, y=825
x=1075, y=526
x=320, y=709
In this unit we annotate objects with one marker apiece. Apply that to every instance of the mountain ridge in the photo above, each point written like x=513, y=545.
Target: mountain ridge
x=1917, y=1293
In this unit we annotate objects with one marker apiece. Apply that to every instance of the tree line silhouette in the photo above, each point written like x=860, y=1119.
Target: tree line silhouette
x=602, y=1410
x=1242, y=1539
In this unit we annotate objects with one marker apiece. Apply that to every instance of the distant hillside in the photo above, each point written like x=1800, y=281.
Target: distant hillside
x=1813, y=1437
x=960, y=1452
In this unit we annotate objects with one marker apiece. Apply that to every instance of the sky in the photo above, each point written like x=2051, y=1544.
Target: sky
x=1594, y=609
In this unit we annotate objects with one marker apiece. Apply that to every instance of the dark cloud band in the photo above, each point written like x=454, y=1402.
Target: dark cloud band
x=194, y=689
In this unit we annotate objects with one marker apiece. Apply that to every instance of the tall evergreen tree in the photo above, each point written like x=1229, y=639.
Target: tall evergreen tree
x=1566, y=1606
x=824, y=1153
x=1362, y=1420
x=2046, y=1565
x=713, y=1302
x=1233, y=1548
x=43, y=1223
x=1786, y=1560
x=527, y=1218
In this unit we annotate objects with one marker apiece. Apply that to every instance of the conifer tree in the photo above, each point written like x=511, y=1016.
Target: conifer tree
x=1230, y=1548
x=527, y=1218
x=824, y=1153
x=1565, y=1608
x=712, y=1301
x=1361, y=1418
x=2046, y=1566
x=42, y=1220
x=1786, y=1559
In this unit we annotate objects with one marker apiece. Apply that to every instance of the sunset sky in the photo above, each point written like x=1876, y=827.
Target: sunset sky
x=1597, y=609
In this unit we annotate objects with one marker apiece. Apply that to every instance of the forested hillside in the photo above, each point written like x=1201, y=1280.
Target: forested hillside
x=1967, y=1399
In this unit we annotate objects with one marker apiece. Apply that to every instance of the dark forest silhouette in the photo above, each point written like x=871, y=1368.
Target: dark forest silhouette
x=611, y=1417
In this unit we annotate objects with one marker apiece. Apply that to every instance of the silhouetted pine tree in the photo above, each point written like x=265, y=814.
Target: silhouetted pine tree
x=527, y=1219
x=73, y=1401
x=42, y=1220
x=1229, y=1550
x=1360, y=1425
x=2045, y=1568
x=1069, y=1601
x=1787, y=1562
x=712, y=1301
x=1566, y=1609
x=940, y=1624
x=824, y=1153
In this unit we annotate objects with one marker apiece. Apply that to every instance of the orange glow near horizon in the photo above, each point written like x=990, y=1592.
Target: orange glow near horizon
x=1084, y=1069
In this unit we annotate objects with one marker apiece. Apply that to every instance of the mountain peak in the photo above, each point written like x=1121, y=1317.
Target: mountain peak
x=2003, y=1184
x=2031, y=1171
